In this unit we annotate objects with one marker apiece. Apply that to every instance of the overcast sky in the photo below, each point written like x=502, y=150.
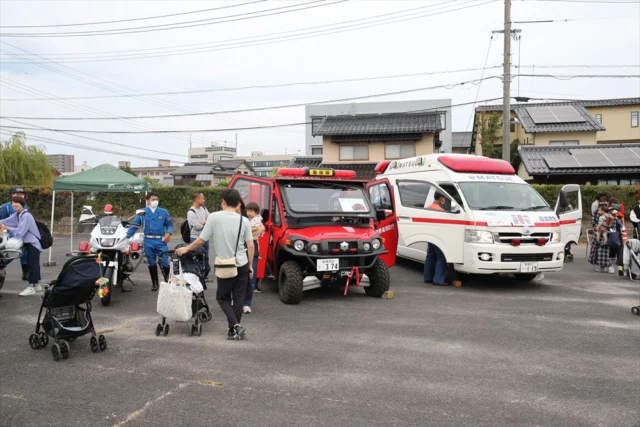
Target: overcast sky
x=440, y=38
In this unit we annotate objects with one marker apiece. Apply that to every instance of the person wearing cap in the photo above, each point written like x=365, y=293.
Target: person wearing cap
x=158, y=228
x=6, y=211
x=435, y=265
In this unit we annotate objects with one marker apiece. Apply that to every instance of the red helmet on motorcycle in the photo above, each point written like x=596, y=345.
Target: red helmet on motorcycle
x=108, y=209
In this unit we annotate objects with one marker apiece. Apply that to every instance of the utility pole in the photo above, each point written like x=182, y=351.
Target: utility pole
x=506, y=82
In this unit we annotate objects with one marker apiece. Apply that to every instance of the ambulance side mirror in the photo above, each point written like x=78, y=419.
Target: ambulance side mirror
x=455, y=207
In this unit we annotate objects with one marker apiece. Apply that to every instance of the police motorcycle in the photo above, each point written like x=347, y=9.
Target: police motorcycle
x=10, y=249
x=122, y=255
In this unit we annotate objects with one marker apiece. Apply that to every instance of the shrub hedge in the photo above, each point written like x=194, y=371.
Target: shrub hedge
x=177, y=200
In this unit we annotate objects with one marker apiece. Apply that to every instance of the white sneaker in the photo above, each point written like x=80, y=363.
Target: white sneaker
x=600, y=270
x=38, y=288
x=611, y=270
x=30, y=290
x=246, y=309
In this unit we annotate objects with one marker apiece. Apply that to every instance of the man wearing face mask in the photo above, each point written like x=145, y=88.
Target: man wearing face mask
x=157, y=227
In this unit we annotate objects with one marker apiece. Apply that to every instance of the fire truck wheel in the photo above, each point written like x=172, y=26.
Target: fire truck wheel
x=378, y=279
x=290, y=282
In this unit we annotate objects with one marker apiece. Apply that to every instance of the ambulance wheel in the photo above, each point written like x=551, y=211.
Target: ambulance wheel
x=452, y=275
x=290, y=282
x=34, y=341
x=102, y=342
x=158, y=329
x=55, y=352
x=378, y=279
x=65, y=350
x=93, y=343
x=44, y=339
x=636, y=311
x=526, y=277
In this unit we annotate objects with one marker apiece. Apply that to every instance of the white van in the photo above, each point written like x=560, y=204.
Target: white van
x=493, y=222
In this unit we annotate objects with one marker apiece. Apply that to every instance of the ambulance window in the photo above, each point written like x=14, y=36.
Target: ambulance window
x=380, y=197
x=452, y=191
x=420, y=195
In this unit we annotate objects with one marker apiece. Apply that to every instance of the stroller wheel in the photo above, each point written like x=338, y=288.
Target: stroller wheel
x=192, y=330
x=102, y=342
x=165, y=330
x=93, y=343
x=209, y=315
x=636, y=311
x=202, y=316
x=199, y=329
x=34, y=341
x=65, y=350
x=44, y=339
x=55, y=352
x=158, y=329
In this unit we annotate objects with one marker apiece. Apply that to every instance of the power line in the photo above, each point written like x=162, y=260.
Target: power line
x=179, y=25
x=265, y=39
x=132, y=19
x=82, y=147
x=581, y=76
x=273, y=107
x=486, y=60
x=234, y=129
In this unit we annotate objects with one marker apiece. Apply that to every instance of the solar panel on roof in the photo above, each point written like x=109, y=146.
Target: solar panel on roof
x=560, y=161
x=621, y=157
x=555, y=114
x=591, y=158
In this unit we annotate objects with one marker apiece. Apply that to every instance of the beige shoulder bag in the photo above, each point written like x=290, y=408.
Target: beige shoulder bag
x=226, y=268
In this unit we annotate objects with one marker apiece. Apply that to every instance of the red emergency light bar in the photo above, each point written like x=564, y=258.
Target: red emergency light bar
x=382, y=166
x=473, y=164
x=326, y=173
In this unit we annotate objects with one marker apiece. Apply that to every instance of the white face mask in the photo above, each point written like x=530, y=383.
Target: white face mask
x=153, y=204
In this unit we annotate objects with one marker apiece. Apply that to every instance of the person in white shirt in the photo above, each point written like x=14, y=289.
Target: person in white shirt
x=197, y=218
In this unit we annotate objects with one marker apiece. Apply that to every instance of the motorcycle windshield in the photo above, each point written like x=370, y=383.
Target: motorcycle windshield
x=109, y=224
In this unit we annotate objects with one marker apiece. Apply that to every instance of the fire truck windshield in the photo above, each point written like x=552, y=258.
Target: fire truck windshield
x=326, y=198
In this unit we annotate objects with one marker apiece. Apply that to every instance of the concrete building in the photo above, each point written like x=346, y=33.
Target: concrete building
x=84, y=166
x=262, y=165
x=163, y=170
x=313, y=142
x=124, y=164
x=208, y=174
x=211, y=154
x=63, y=163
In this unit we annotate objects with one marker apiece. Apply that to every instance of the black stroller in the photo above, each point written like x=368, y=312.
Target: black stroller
x=65, y=318
x=192, y=262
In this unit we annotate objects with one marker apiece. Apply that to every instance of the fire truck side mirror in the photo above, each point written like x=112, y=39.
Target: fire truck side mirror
x=381, y=215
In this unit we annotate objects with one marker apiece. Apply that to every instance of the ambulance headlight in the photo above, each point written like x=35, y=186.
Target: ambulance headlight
x=475, y=236
x=298, y=245
x=555, y=237
x=375, y=244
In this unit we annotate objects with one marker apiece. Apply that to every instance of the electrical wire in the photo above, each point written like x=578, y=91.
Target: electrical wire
x=237, y=43
x=273, y=107
x=228, y=129
x=179, y=25
x=133, y=19
x=486, y=60
x=581, y=76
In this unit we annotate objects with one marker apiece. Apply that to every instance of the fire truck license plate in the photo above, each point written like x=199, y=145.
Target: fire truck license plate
x=528, y=267
x=328, y=264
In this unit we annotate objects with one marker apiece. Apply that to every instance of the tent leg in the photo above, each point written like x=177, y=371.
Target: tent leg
x=53, y=209
x=71, y=223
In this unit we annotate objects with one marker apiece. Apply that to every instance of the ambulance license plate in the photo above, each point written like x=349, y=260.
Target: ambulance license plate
x=332, y=264
x=528, y=267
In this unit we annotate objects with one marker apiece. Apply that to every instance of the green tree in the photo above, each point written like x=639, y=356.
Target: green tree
x=22, y=164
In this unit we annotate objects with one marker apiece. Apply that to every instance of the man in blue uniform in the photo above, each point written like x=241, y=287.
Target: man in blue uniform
x=6, y=211
x=157, y=233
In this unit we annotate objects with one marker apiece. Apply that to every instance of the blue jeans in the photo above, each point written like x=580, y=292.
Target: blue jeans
x=435, y=266
x=252, y=284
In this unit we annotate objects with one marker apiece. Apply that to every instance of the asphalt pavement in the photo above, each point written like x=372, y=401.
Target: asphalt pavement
x=564, y=351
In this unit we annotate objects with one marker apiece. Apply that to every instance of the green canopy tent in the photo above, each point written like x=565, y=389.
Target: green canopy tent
x=103, y=178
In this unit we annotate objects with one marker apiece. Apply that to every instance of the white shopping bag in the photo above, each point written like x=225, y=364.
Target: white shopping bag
x=174, y=298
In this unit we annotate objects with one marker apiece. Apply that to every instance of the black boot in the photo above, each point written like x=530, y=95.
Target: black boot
x=153, y=271
x=25, y=272
x=165, y=273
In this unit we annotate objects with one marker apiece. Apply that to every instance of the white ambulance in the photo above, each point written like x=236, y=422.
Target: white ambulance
x=492, y=221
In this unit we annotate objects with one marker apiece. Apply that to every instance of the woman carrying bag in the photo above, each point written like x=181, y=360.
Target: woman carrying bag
x=23, y=226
